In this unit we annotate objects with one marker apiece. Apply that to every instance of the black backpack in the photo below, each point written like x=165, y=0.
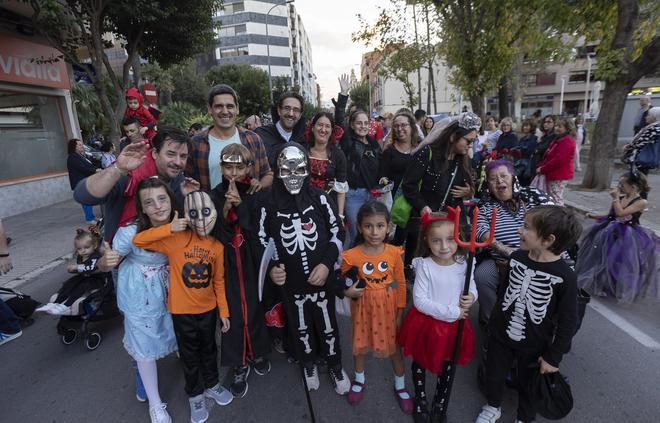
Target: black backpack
x=21, y=304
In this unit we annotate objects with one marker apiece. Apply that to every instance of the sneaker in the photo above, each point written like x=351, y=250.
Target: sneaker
x=219, y=394
x=58, y=309
x=312, y=377
x=355, y=396
x=158, y=414
x=6, y=337
x=261, y=366
x=340, y=380
x=140, y=392
x=239, y=385
x=278, y=345
x=44, y=308
x=489, y=414
x=198, y=411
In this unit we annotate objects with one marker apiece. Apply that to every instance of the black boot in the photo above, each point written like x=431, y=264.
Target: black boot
x=421, y=410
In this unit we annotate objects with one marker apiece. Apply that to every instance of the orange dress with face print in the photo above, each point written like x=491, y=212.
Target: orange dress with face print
x=374, y=314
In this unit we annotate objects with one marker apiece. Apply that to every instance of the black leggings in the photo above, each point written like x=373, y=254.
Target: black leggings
x=195, y=337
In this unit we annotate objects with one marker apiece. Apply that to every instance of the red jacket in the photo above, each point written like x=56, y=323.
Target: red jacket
x=557, y=163
x=142, y=113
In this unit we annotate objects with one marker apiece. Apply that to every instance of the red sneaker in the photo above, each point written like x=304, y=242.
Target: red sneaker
x=354, y=398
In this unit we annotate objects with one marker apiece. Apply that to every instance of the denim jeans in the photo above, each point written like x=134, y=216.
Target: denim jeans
x=355, y=198
x=89, y=213
x=8, y=320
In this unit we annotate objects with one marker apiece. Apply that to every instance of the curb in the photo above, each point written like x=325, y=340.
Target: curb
x=584, y=210
x=27, y=277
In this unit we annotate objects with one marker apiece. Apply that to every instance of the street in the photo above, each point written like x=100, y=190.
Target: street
x=613, y=374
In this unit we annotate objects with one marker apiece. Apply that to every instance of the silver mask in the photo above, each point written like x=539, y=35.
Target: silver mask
x=292, y=168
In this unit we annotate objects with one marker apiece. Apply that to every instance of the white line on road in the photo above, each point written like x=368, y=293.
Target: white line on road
x=25, y=278
x=624, y=325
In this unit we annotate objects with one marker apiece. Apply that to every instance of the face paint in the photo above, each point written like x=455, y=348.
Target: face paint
x=201, y=212
x=292, y=168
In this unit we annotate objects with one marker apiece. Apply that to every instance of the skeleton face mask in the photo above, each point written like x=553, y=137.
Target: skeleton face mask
x=201, y=212
x=292, y=168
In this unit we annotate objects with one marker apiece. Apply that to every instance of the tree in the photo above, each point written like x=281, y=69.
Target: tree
x=251, y=85
x=624, y=57
x=359, y=95
x=180, y=82
x=88, y=108
x=166, y=31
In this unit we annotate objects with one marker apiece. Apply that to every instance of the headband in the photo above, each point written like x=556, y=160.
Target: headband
x=233, y=158
x=428, y=218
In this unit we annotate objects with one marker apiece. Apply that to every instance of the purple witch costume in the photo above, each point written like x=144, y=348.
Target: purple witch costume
x=619, y=258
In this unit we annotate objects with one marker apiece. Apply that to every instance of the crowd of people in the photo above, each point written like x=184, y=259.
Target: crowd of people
x=267, y=233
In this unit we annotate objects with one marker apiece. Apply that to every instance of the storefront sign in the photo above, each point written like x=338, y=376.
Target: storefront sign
x=25, y=62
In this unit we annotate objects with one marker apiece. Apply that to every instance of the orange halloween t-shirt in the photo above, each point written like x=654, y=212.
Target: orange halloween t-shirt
x=197, y=269
x=380, y=271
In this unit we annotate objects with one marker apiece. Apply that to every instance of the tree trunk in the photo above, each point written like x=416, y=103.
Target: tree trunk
x=606, y=134
x=428, y=88
x=137, y=75
x=502, y=100
x=477, y=102
x=435, y=95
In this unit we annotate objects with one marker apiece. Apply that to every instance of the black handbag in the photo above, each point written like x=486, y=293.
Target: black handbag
x=551, y=394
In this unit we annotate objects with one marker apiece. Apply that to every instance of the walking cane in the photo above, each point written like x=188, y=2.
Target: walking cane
x=440, y=404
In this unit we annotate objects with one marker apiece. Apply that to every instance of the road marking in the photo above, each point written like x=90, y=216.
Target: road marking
x=624, y=325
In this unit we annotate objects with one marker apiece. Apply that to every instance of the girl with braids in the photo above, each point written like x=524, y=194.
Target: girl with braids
x=618, y=257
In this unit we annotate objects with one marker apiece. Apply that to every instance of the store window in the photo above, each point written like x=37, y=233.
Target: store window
x=32, y=136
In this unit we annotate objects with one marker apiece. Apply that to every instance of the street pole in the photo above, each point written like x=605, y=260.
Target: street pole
x=586, y=89
x=270, y=82
x=561, y=96
x=419, y=71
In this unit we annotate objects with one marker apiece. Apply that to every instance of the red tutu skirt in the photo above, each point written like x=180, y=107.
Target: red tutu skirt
x=430, y=342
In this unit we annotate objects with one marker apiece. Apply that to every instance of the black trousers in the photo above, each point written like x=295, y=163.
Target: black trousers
x=195, y=336
x=498, y=364
x=313, y=326
x=77, y=286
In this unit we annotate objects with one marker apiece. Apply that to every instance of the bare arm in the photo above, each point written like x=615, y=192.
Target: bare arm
x=131, y=157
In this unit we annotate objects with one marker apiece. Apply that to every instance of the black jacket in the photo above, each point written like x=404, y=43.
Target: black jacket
x=273, y=141
x=79, y=168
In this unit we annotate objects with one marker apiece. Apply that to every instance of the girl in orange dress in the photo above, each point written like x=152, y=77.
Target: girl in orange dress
x=379, y=297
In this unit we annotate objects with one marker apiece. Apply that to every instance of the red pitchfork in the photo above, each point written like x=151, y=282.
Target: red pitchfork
x=443, y=391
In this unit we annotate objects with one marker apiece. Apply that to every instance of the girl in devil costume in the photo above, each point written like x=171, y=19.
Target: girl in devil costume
x=246, y=344
x=429, y=329
x=196, y=298
x=301, y=222
x=379, y=299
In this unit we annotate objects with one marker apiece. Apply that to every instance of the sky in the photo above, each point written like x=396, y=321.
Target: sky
x=329, y=25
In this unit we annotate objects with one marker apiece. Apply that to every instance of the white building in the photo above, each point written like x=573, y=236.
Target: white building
x=242, y=39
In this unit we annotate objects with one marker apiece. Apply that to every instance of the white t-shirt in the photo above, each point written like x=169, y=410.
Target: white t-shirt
x=216, y=146
x=438, y=289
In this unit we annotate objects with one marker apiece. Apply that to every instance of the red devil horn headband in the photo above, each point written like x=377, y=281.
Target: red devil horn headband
x=428, y=218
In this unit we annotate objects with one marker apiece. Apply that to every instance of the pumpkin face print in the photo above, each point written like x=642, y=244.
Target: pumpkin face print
x=197, y=275
x=375, y=273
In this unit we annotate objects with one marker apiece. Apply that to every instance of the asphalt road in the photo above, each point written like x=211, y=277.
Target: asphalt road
x=614, y=377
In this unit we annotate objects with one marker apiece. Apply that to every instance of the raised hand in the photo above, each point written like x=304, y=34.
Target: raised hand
x=189, y=185
x=109, y=260
x=132, y=156
x=178, y=224
x=255, y=186
x=344, y=84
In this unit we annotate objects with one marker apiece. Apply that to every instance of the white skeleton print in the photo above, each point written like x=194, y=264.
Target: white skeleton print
x=321, y=302
x=531, y=290
x=300, y=235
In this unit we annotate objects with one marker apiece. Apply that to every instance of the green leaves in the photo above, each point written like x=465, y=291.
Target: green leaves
x=251, y=85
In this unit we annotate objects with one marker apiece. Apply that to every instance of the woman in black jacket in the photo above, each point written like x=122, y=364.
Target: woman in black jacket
x=79, y=168
x=439, y=173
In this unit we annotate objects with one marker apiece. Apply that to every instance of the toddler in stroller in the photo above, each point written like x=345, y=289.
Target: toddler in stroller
x=87, y=279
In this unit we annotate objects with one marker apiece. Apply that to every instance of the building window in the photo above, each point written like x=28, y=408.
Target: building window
x=545, y=79
x=234, y=51
x=529, y=80
x=230, y=9
x=581, y=52
x=579, y=77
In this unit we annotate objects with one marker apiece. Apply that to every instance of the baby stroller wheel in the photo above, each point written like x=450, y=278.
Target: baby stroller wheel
x=93, y=341
x=69, y=336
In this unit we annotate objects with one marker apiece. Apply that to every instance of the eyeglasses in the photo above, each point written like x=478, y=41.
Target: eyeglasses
x=494, y=179
x=290, y=109
x=401, y=126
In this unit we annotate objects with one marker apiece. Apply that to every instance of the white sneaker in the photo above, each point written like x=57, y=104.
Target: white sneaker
x=340, y=380
x=158, y=414
x=60, y=310
x=489, y=414
x=46, y=308
x=312, y=378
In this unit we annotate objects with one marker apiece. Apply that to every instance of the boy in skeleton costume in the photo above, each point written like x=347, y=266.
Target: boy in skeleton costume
x=535, y=316
x=196, y=297
x=303, y=224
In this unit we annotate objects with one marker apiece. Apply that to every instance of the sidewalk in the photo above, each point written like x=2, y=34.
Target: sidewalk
x=600, y=201
x=41, y=239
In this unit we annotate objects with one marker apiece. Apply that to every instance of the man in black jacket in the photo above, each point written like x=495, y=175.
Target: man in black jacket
x=289, y=125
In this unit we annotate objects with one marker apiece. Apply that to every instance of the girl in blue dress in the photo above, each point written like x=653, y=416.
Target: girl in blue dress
x=142, y=291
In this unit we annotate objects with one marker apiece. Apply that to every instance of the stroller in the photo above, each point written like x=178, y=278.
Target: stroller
x=100, y=304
